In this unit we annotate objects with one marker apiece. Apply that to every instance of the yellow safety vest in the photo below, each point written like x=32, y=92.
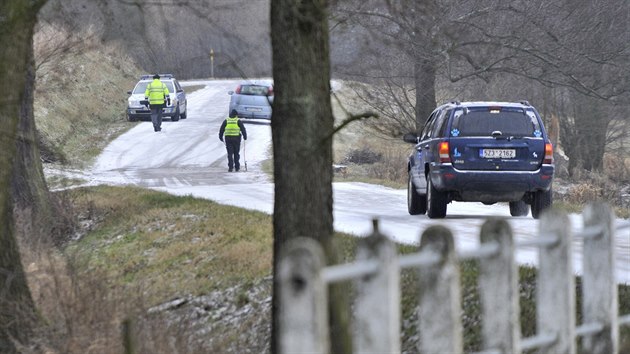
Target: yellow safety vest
x=156, y=92
x=232, y=128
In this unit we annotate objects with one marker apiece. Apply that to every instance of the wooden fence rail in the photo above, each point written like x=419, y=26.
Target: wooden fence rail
x=304, y=279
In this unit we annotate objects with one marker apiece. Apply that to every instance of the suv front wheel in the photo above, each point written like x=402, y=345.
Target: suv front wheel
x=436, y=201
x=416, y=203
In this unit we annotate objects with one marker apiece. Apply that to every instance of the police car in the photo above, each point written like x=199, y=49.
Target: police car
x=175, y=109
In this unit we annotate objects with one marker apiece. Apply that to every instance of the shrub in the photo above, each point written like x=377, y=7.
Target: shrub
x=582, y=193
x=363, y=156
x=391, y=167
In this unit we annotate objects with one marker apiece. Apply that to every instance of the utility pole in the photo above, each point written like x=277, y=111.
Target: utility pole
x=212, y=63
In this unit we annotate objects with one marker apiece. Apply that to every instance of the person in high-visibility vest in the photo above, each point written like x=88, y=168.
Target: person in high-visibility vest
x=157, y=94
x=232, y=128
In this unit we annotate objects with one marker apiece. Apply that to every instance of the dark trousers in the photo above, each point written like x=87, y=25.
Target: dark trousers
x=233, y=146
x=156, y=116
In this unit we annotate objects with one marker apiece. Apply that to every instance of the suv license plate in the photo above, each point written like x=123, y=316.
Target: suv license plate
x=254, y=109
x=497, y=153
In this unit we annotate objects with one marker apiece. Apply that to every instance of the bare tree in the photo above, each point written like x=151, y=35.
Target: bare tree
x=302, y=131
x=580, y=46
x=581, y=50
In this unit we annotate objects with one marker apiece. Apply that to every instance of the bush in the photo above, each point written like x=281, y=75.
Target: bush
x=594, y=187
x=391, y=168
x=582, y=193
x=363, y=156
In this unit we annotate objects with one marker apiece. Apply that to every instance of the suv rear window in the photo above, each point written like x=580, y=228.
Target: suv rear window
x=482, y=122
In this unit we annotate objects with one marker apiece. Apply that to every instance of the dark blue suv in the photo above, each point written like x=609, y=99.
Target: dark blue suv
x=481, y=152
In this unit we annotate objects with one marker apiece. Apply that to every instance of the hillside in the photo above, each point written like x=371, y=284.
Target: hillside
x=159, y=38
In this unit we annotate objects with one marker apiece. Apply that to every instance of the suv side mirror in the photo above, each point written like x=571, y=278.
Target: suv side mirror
x=230, y=93
x=410, y=138
x=129, y=92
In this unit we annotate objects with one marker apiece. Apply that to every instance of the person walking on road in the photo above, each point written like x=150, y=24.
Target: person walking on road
x=157, y=94
x=232, y=128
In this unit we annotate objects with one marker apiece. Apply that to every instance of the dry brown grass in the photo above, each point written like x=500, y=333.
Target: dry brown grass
x=79, y=312
x=582, y=193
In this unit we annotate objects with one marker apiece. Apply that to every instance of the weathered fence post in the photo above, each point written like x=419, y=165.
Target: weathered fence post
x=498, y=290
x=599, y=286
x=377, y=319
x=440, y=322
x=555, y=290
x=303, y=326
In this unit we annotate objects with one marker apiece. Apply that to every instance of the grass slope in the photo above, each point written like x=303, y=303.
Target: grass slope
x=80, y=106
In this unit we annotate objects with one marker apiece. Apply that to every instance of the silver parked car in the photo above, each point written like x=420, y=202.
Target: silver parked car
x=252, y=99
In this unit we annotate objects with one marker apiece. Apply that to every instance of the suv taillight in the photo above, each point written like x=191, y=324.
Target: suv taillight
x=443, y=150
x=238, y=89
x=270, y=91
x=548, y=154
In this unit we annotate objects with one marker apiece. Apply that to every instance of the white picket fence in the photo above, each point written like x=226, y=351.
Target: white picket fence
x=304, y=278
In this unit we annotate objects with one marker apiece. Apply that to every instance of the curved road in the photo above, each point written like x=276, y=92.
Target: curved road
x=187, y=158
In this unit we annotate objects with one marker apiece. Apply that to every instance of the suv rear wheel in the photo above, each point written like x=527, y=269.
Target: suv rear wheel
x=540, y=202
x=416, y=203
x=519, y=208
x=436, y=201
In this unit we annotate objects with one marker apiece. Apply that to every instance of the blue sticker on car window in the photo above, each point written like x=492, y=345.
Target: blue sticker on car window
x=537, y=133
x=455, y=132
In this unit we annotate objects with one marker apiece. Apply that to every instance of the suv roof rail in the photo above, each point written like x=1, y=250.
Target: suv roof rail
x=162, y=76
x=525, y=103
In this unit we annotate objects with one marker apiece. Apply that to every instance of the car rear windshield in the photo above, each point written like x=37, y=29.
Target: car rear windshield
x=142, y=86
x=483, y=122
x=254, y=90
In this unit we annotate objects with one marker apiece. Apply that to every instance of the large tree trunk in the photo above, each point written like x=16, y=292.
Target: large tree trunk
x=424, y=74
x=16, y=72
x=302, y=125
x=585, y=131
x=591, y=123
x=31, y=203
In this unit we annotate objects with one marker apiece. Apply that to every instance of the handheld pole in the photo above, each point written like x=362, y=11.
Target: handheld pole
x=245, y=156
